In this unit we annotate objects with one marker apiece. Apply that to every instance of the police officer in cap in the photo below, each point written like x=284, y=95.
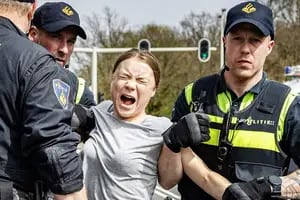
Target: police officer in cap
x=36, y=142
x=55, y=26
x=253, y=122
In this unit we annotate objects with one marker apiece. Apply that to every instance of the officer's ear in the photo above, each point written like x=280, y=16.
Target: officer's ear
x=33, y=34
x=32, y=10
x=270, y=46
x=224, y=41
x=29, y=15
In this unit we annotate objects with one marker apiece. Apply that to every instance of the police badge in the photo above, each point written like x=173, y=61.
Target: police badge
x=62, y=91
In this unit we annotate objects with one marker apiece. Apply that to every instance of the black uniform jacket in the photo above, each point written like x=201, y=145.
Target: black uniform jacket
x=36, y=102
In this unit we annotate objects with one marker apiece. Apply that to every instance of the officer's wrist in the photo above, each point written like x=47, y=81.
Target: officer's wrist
x=274, y=183
x=169, y=140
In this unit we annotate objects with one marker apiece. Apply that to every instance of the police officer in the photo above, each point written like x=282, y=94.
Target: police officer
x=254, y=122
x=36, y=141
x=55, y=26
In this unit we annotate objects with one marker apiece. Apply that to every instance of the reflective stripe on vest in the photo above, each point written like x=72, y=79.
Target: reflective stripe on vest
x=288, y=101
x=188, y=94
x=80, y=89
x=224, y=101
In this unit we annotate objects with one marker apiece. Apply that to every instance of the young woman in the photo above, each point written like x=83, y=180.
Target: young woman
x=120, y=157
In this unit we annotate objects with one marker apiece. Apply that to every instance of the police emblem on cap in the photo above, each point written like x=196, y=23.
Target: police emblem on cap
x=62, y=91
x=249, y=8
x=68, y=11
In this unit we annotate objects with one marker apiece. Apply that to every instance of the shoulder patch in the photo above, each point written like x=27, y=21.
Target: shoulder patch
x=62, y=91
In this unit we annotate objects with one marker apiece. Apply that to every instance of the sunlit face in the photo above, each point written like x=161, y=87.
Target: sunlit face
x=246, y=51
x=132, y=87
x=60, y=44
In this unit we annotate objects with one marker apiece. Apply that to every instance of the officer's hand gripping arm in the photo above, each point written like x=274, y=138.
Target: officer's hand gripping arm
x=83, y=121
x=261, y=188
x=252, y=190
x=190, y=130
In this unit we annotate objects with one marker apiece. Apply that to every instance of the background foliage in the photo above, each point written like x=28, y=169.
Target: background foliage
x=178, y=69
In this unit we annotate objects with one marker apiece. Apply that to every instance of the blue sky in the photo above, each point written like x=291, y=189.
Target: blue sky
x=139, y=12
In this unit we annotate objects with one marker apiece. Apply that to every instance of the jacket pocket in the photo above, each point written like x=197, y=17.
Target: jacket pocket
x=246, y=171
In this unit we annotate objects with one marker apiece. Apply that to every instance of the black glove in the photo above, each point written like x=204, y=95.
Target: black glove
x=252, y=190
x=190, y=130
x=82, y=121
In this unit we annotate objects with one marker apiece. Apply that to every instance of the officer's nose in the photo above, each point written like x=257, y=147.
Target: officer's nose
x=63, y=47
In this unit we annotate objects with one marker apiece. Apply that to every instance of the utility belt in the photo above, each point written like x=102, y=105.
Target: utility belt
x=9, y=192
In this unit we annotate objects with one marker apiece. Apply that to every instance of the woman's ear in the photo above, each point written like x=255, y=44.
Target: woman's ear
x=153, y=92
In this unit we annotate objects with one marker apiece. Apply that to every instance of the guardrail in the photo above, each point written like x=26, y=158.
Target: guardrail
x=165, y=194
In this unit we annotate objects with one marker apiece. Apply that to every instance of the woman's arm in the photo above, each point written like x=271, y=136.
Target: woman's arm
x=169, y=168
x=210, y=181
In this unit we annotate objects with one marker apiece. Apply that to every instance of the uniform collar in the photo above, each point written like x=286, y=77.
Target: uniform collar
x=255, y=89
x=258, y=87
x=8, y=24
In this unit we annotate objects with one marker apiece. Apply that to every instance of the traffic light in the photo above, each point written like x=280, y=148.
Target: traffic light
x=204, y=50
x=144, y=45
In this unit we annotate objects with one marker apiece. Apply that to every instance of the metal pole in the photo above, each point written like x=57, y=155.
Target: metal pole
x=221, y=38
x=155, y=49
x=94, y=74
x=159, y=191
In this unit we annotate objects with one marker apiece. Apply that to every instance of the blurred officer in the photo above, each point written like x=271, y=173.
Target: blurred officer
x=36, y=141
x=254, y=122
x=56, y=26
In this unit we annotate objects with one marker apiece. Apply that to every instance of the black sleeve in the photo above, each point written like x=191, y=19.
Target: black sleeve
x=48, y=141
x=180, y=108
x=87, y=98
x=291, y=137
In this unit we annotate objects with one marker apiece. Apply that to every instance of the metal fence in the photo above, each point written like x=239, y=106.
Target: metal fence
x=161, y=194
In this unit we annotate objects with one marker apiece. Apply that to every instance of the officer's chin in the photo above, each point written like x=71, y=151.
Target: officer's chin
x=60, y=62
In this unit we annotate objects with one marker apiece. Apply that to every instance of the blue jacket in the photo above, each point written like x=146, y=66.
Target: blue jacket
x=36, y=100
